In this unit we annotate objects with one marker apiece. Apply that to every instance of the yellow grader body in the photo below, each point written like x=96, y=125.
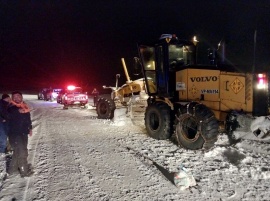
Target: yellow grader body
x=128, y=90
x=130, y=96
x=220, y=91
x=192, y=101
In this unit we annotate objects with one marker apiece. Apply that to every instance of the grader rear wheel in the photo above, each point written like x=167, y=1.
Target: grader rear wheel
x=105, y=108
x=197, y=128
x=158, y=121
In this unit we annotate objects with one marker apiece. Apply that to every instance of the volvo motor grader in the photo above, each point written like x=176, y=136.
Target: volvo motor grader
x=195, y=101
x=131, y=96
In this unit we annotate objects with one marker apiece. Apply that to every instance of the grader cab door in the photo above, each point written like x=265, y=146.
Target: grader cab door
x=147, y=57
x=155, y=72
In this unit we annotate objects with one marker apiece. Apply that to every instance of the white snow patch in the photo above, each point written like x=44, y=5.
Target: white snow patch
x=263, y=124
x=79, y=157
x=259, y=130
x=217, y=151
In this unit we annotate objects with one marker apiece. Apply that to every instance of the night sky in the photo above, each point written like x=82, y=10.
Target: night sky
x=53, y=43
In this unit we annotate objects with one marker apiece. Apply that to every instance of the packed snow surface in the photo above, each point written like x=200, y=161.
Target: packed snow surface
x=79, y=157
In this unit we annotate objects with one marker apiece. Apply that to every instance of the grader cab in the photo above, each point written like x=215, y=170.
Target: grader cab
x=196, y=101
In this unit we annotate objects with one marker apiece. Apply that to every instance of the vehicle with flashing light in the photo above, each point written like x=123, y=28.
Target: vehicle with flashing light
x=72, y=96
x=195, y=101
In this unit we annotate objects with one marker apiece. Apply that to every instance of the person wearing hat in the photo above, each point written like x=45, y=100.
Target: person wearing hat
x=4, y=104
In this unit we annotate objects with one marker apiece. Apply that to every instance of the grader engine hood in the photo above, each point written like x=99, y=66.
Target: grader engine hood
x=218, y=90
x=194, y=84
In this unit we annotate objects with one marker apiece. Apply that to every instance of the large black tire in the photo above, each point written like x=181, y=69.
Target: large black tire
x=105, y=108
x=197, y=128
x=158, y=121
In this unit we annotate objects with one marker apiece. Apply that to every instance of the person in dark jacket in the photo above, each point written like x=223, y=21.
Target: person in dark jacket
x=20, y=126
x=4, y=104
x=95, y=93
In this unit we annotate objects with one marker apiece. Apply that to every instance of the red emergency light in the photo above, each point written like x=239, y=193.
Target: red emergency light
x=71, y=87
x=262, y=82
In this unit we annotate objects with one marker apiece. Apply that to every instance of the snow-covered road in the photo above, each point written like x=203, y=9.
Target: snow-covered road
x=79, y=157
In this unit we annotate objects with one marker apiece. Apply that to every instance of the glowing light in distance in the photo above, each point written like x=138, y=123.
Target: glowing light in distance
x=261, y=81
x=71, y=87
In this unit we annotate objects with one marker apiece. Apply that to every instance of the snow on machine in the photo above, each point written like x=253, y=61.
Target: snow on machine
x=130, y=96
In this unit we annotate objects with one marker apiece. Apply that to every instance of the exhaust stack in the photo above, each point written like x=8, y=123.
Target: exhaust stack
x=222, y=51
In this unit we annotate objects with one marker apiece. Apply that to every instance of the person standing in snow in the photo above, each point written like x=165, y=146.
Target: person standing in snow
x=20, y=126
x=95, y=93
x=4, y=104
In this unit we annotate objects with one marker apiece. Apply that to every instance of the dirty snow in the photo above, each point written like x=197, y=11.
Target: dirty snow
x=79, y=157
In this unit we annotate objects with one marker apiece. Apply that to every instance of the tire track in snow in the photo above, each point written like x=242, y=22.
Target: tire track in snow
x=32, y=156
x=221, y=172
x=109, y=154
x=104, y=148
x=50, y=150
x=35, y=146
x=38, y=151
x=86, y=179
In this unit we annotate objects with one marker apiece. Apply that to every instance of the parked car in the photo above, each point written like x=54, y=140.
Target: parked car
x=60, y=96
x=51, y=94
x=42, y=93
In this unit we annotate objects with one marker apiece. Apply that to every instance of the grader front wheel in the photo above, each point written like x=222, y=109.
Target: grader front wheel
x=105, y=108
x=197, y=128
x=158, y=121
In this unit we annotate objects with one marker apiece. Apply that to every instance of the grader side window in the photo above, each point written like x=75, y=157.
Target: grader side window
x=148, y=57
x=148, y=60
x=151, y=81
x=175, y=52
x=180, y=55
x=176, y=56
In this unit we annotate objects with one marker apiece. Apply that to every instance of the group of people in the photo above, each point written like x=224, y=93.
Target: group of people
x=15, y=126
